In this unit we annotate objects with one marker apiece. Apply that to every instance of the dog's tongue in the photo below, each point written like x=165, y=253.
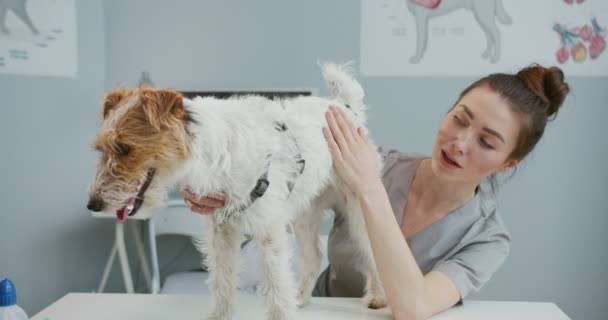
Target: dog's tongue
x=122, y=213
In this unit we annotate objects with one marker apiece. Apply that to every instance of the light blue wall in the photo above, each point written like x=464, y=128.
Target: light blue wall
x=556, y=205
x=48, y=244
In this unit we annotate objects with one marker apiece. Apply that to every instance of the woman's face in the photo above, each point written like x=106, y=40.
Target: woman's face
x=476, y=137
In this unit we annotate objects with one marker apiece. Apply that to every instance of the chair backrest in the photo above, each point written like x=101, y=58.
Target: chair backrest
x=176, y=219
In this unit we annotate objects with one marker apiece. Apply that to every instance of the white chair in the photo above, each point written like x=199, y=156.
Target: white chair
x=177, y=219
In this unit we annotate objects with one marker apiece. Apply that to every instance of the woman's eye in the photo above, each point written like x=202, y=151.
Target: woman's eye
x=459, y=121
x=485, y=144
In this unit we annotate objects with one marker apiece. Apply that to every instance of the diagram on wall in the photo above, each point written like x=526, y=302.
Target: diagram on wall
x=476, y=37
x=38, y=37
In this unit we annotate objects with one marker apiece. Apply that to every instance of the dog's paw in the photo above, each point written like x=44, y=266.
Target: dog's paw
x=303, y=300
x=374, y=302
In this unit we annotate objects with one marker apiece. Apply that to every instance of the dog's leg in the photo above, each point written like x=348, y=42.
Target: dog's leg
x=307, y=226
x=375, y=298
x=3, y=11
x=278, y=284
x=484, y=14
x=374, y=292
x=422, y=26
x=223, y=262
x=21, y=12
x=488, y=52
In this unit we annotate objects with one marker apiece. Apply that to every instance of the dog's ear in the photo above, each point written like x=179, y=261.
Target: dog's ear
x=161, y=106
x=111, y=100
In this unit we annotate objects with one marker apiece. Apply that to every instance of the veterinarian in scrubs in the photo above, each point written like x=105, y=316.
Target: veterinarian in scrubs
x=436, y=233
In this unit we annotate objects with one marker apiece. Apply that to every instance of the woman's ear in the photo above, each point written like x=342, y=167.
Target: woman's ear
x=509, y=164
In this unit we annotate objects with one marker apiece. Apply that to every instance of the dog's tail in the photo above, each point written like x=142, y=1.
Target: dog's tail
x=501, y=13
x=342, y=85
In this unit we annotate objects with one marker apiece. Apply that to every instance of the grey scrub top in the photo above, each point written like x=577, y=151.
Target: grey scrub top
x=468, y=245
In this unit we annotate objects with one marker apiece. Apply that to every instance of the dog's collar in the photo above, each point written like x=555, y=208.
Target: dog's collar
x=257, y=192
x=262, y=183
x=260, y=187
x=301, y=163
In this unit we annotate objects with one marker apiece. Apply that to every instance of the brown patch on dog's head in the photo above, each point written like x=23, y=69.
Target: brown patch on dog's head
x=112, y=99
x=143, y=130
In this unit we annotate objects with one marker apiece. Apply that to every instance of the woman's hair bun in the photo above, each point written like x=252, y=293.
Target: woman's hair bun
x=548, y=84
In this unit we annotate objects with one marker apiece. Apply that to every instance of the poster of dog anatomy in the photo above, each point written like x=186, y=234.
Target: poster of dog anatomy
x=38, y=37
x=477, y=37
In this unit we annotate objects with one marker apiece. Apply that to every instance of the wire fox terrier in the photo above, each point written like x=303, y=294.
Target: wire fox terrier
x=268, y=157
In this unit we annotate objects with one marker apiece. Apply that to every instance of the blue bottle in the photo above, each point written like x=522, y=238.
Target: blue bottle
x=9, y=310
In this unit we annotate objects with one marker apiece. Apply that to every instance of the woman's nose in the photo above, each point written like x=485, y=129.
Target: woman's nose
x=462, y=143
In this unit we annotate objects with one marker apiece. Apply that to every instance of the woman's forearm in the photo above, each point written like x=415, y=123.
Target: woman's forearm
x=402, y=279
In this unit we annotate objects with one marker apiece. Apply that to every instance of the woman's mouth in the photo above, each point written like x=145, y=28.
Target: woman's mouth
x=447, y=161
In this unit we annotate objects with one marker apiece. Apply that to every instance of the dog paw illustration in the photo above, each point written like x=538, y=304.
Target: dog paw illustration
x=415, y=59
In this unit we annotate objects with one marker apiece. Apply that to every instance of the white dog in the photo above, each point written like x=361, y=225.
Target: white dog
x=268, y=157
x=484, y=11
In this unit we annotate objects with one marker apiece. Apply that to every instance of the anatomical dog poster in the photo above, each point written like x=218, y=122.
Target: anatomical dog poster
x=38, y=37
x=477, y=37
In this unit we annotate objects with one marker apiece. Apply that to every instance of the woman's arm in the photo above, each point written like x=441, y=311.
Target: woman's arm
x=410, y=294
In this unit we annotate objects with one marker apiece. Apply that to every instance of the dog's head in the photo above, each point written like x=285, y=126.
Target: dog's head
x=143, y=139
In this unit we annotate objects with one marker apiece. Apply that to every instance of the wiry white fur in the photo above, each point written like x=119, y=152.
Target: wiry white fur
x=340, y=84
x=232, y=140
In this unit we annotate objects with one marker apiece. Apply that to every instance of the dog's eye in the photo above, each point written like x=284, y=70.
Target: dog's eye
x=122, y=149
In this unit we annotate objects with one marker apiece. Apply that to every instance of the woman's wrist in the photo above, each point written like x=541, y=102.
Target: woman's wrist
x=370, y=189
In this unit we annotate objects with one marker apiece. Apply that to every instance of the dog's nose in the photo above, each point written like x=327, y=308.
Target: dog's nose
x=95, y=204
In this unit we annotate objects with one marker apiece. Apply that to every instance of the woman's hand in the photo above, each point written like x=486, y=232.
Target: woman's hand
x=203, y=205
x=354, y=157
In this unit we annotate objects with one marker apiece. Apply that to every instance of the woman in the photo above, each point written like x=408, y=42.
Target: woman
x=436, y=235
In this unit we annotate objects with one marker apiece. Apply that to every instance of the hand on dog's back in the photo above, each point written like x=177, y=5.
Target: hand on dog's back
x=202, y=205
